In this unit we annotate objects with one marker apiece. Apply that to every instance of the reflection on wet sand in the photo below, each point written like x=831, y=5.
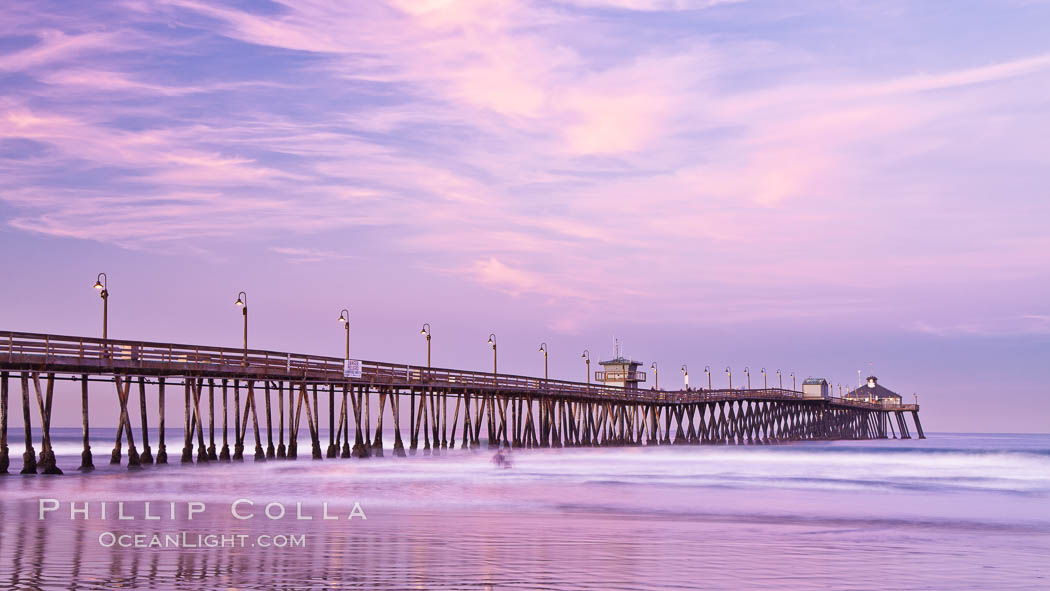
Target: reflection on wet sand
x=967, y=516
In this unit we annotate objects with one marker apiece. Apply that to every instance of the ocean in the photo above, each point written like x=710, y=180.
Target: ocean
x=955, y=511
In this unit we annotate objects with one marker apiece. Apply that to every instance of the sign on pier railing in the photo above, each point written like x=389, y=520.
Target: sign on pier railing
x=351, y=368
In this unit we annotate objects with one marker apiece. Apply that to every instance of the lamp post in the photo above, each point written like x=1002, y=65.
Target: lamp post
x=425, y=331
x=100, y=284
x=747, y=372
x=764, y=387
x=546, y=378
x=344, y=319
x=587, y=357
x=707, y=370
x=729, y=373
x=780, y=377
x=685, y=373
x=793, y=381
x=414, y=443
x=242, y=301
x=333, y=449
x=656, y=375
x=495, y=373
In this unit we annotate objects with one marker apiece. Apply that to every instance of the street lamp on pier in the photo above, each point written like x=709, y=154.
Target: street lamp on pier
x=656, y=375
x=242, y=301
x=546, y=378
x=764, y=386
x=780, y=377
x=747, y=372
x=707, y=370
x=685, y=373
x=344, y=319
x=495, y=373
x=793, y=381
x=100, y=284
x=587, y=357
x=425, y=331
x=729, y=373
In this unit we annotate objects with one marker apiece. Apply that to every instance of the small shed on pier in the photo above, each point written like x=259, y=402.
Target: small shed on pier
x=620, y=372
x=816, y=388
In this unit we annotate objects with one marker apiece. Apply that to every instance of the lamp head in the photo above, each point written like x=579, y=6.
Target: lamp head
x=242, y=299
x=98, y=285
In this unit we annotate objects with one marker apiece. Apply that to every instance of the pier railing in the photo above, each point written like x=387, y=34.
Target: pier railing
x=74, y=354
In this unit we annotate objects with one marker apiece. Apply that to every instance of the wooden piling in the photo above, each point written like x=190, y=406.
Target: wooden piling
x=29, y=457
x=147, y=453
x=114, y=457
x=444, y=418
x=293, y=419
x=377, y=441
x=332, y=450
x=423, y=419
x=124, y=394
x=46, y=462
x=5, y=453
x=238, y=434
x=212, y=455
x=196, y=387
x=224, y=453
x=187, y=434
x=260, y=455
x=413, y=435
x=270, y=452
x=395, y=407
x=162, y=449
x=345, y=419
x=282, y=451
x=311, y=418
x=455, y=419
x=359, y=451
x=86, y=462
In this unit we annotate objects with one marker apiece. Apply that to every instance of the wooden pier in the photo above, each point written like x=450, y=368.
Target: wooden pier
x=272, y=391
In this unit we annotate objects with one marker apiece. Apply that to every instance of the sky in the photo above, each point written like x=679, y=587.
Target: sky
x=820, y=187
